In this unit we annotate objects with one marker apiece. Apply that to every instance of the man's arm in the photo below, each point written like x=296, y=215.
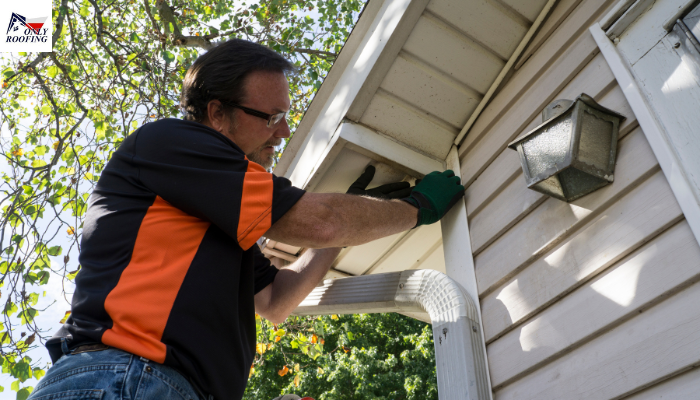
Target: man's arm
x=321, y=220
x=336, y=220
x=293, y=283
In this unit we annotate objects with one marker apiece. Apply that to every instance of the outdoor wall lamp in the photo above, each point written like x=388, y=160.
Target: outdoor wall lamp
x=572, y=153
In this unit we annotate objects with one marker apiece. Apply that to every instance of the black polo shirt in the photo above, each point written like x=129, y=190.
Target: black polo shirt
x=169, y=260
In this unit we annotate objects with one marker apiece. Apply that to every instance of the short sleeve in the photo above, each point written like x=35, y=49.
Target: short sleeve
x=203, y=173
x=265, y=272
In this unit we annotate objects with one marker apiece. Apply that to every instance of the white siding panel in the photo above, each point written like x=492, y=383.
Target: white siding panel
x=536, y=234
x=681, y=387
x=426, y=88
x=529, y=9
x=453, y=53
x=659, y=267
x=486, y=21
x=396, y=120
x=616, y=232
x=559, y=13
x=661, y=341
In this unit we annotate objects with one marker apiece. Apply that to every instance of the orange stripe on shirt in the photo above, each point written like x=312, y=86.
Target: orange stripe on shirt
x=256, y=205
x=141, y=302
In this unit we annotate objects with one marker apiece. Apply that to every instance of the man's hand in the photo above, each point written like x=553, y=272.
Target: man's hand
x=293, y=283
x=435, y=195
x=396, y=190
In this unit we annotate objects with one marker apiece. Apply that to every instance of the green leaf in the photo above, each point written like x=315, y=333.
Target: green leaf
x=28, y=315
x=10, y=308
x=23, y=394
x=46, y=109
x=168, y=56
x=43, y=278
x=15, y=385
x=38, y=373
x=52, y=71
x=134, y=37
x=55, y=251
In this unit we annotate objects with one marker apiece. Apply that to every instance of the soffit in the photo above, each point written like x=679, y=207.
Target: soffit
x=450, y=59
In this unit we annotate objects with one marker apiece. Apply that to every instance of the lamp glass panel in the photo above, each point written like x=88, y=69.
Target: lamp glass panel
x=596, y=140
x=576, y=183
x=551, y=187
x=549, y=147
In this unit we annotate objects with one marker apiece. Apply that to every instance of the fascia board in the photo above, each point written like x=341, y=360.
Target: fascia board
x=322, y=129
x=351, y=46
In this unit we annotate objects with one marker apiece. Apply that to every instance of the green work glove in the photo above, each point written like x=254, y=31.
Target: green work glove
x=396, y=190
x=435, y=195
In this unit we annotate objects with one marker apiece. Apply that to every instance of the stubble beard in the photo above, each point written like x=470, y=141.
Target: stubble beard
x=256, y=155
x=264, y=160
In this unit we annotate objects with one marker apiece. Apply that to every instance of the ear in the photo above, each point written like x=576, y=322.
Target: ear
x=216, y=117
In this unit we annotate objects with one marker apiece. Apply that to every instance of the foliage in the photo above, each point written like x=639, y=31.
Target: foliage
x=116, y=65
x=346, y=357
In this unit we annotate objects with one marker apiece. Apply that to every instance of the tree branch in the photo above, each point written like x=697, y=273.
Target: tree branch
x=325, y=54
x=150, y=16
x=173, y=29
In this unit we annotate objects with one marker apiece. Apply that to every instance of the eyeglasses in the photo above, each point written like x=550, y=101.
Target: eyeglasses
x=272, y=119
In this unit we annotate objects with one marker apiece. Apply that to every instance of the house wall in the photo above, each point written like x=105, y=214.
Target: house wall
x=595, y=299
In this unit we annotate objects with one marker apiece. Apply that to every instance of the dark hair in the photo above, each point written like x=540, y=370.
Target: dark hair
x=219, y=74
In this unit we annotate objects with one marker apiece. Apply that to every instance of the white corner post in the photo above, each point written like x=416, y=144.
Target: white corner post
x=461, y=366
x=675, y=170
x=459, y=263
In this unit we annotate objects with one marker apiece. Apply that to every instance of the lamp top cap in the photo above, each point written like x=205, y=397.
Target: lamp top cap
x=559, y=107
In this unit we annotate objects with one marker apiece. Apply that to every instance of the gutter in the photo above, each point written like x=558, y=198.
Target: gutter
x=461, y=365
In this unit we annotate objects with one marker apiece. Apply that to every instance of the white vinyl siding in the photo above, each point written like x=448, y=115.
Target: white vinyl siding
x=594, y=299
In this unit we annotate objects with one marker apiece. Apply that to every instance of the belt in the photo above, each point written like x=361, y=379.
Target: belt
x=86, y=348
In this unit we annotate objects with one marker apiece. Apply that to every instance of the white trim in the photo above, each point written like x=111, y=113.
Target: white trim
x=457, y=246
x=619, y=24
x=367, y=141
x=615, y=13
x=388, y=149
x=629, y=16
x=461, y=367
x=671, y=20
x=344, y=92
x=653, y=131
x=513, y=58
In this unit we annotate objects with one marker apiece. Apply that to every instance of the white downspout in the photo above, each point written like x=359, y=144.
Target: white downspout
x=461, y=366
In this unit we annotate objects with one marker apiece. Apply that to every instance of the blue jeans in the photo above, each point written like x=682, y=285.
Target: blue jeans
x=112, y=374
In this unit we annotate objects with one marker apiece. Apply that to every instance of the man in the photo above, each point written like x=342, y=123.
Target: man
x=171, y=273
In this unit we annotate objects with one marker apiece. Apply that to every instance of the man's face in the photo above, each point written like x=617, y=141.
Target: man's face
x=267, y=92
